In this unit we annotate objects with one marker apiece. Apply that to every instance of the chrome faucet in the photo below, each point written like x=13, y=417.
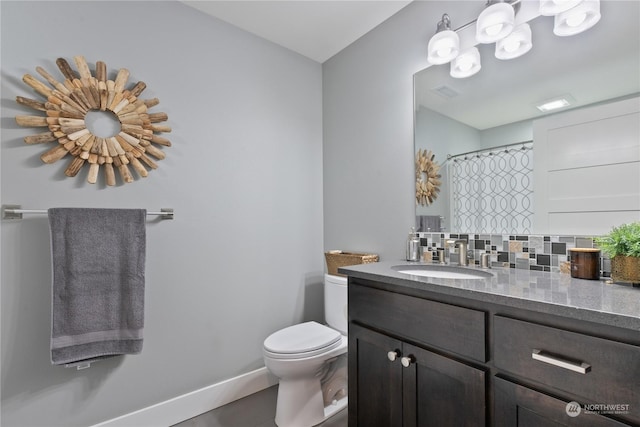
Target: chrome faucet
x=462, y=251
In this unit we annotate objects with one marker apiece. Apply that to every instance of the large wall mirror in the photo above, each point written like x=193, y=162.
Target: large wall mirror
x=494, y=111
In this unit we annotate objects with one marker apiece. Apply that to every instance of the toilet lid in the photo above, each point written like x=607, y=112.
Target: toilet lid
x=309, y=337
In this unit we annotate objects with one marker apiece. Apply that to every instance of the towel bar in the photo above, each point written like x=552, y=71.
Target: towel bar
x=79, y=365
x=16, y=211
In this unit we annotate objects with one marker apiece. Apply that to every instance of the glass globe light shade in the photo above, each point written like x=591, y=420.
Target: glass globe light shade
x=443, y=47
x=578, y=19
x=466, y=64
x=495, y=23
x=515, y=44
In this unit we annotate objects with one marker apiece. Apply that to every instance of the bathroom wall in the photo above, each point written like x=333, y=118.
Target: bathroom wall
x=243, y=256
x=369, y=198
x=443, y=136
x=368, y=153
x=507, y=134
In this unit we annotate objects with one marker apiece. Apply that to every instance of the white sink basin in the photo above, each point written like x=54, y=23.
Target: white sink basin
x=441, y=271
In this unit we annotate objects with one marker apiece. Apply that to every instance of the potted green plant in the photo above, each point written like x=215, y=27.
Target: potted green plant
x=622, y=245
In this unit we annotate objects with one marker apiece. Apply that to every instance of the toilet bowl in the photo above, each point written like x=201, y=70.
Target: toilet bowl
x=311, y=362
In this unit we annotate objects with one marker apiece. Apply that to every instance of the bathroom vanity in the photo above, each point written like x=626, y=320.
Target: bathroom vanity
x=518, y=348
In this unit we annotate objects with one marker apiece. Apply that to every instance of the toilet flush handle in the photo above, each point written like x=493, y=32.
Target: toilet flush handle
x=393, y=355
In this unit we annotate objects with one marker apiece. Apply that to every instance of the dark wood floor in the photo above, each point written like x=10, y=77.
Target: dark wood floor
x=256, y=410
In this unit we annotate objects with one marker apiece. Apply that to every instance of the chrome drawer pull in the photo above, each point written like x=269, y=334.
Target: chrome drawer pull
x=581, y=368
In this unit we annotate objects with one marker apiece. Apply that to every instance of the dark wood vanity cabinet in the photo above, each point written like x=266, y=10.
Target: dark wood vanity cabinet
x=520, y=406
x=378, y=380
x=416, y=360
x=396, y=382
x=402, y=385
x=604, y=373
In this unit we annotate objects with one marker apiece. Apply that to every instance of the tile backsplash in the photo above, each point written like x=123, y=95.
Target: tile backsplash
x=529, y=252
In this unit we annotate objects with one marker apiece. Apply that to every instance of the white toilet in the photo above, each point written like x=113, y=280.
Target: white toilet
x=311, y=361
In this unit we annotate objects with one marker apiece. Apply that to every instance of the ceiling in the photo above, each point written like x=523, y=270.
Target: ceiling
x=317, y=29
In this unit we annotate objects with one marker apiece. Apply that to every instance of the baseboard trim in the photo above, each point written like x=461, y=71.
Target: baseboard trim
x=197, y=402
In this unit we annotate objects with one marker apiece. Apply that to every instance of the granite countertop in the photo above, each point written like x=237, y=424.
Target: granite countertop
x=545, y=292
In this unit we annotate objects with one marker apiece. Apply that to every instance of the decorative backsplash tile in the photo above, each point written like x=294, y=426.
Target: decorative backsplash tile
x=530, y=252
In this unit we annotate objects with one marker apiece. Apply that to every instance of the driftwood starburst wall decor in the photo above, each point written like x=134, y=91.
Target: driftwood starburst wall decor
x=66, y=107
x=427, y=178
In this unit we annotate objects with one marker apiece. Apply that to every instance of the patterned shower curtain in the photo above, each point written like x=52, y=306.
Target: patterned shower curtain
x=492, y=190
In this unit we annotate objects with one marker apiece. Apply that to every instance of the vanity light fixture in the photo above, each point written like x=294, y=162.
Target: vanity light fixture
x=495, y=22
x=466, y=64
x=445, y=44
x=515, y=44
x=577, y=19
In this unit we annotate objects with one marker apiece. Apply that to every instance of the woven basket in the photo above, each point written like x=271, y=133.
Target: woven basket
x=625, y=269
x=337, y=259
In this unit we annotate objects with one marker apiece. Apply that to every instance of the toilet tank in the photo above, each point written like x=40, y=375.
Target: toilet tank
x=335, y=302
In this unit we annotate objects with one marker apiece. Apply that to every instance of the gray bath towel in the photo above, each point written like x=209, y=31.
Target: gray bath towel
x=98, y=283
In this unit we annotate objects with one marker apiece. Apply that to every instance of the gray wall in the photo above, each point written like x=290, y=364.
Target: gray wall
x=369, y=198
x=443, y=136
x=243, y=256
x=369, y=181
x=507, y=134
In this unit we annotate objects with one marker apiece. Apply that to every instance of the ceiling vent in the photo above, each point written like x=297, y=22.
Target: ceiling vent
x=445, y=91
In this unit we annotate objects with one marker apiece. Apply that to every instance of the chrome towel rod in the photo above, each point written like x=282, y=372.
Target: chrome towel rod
x=16, y=211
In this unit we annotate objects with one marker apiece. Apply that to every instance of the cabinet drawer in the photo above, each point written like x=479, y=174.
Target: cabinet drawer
x=600, y=370
x=448, y=327
x=516, y=405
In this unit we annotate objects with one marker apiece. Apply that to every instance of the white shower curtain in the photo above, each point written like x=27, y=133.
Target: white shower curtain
x=492, y=191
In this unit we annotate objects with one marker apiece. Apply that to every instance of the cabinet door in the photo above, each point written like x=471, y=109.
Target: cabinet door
x=439, y=391
x=375, y=381
x=520, y=406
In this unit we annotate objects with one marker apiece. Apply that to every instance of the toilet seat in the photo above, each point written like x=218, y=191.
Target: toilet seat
x=302, y=340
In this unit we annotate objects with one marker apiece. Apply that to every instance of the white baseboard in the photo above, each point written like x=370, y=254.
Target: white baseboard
x=189, y=405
